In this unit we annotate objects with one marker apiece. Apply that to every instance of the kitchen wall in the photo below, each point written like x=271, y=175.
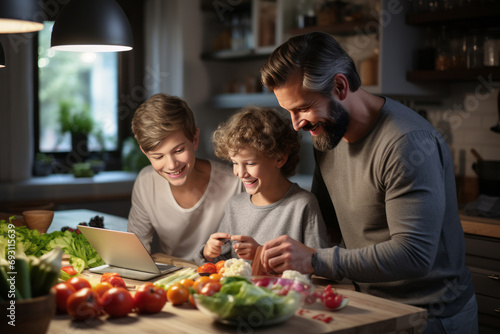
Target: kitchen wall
x=465, y=119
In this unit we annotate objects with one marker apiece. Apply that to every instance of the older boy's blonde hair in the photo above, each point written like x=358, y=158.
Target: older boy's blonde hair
x=160, y=116
x=265, y=130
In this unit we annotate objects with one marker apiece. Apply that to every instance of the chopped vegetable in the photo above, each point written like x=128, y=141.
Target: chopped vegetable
x=176, y=277
x=239, y=298
x=237, y=267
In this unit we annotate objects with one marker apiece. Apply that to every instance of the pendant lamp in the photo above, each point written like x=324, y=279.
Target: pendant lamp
x=92, y=26
x=20, y=16
x=2, y=57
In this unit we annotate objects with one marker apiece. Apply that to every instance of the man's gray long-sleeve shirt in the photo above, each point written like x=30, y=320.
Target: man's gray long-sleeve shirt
x=394, y=197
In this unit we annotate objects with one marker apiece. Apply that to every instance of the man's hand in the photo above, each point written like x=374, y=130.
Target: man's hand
x=213, y=247
x=284, y=253
x=246, y=246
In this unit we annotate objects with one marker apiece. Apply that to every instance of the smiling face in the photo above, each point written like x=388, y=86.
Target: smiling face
x=174, y=158
x=259, y=173
x=325, y=118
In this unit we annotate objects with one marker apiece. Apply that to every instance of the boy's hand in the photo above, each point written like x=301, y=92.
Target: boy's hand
x=246, y=246
x=213, y=247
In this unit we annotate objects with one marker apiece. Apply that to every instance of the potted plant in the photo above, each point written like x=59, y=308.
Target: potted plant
x=82, y=169
x=43, y=164
x=79, y=124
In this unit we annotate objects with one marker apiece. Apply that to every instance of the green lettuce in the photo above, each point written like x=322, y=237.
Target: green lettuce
x=34, y=243
x=243, y=299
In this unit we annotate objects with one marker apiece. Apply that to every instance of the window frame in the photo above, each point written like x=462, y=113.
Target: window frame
x=130, y=75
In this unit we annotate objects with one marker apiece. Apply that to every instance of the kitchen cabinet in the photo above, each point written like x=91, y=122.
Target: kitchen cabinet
x=475, y=17
x=483, y=259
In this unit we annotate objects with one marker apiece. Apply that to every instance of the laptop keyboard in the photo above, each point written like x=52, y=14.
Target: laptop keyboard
x=167, y=268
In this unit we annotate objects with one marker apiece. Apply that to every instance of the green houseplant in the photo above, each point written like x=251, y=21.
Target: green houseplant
x=79, y=124
x=43, y=164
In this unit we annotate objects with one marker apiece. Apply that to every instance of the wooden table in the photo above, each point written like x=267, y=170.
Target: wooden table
x=363, y=314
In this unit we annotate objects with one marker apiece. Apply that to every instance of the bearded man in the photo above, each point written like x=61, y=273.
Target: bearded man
x=384, y=176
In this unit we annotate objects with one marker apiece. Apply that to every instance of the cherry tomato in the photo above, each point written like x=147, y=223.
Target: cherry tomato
x=333, y=301
x=79, y=283
x=219, y=265
x=206, y=269
x=215, y=277
x=187, y=283
x=191, y=300
x=200, y=281
x=150, y=298
x=106, y=276
x=210, y=288
x=177, y=294
x=117, y=282
x=62, y=292
x=102, y=287
x=117, y=302
x=83, y=304
x=69, y=270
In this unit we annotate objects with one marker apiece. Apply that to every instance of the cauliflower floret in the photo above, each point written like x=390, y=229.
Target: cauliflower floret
x=237, y=267
x=295, y=275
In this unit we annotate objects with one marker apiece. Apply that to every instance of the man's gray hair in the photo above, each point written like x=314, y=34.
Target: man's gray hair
x=318, y=56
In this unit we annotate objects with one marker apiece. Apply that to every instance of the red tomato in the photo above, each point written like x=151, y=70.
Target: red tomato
x=150, y=298
x=200, y=281
x=206, y=269
x=69, y=270
x=83, y=304
x=333, y=301
x=117, y=282
x=210, y=288
x=106, y=276
x=219, y=265
x=117, y=302
x=62, y=292
x=79, y=283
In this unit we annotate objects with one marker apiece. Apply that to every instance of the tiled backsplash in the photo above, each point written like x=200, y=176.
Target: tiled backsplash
x=464, y=120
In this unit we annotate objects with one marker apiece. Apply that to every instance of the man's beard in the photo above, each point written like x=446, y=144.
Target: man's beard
x=333, y=129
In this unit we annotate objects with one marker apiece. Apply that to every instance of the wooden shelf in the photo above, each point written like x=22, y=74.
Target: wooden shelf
x=472, y=15
x=225, y=55
x=455, y=75
x=341, y=28
x=237, y=100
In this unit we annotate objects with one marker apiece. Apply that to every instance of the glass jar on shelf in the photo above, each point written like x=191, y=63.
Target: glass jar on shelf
x=491, y=47
x=443, y=53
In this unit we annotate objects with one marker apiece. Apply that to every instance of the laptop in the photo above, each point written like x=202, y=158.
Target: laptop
x=124, y=254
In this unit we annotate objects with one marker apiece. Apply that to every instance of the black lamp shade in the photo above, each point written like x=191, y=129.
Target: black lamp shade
x=20, y=16
x=92, y=25
x=2, y=57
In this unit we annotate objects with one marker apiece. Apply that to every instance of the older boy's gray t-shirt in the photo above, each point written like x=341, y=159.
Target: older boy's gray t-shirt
x=296, y=214
x=395, y=199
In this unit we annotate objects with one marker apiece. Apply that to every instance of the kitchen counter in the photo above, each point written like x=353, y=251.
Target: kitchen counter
x=485, y=227
x=363, y=314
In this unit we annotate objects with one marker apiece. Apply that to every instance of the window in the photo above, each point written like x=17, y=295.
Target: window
x=80, y=85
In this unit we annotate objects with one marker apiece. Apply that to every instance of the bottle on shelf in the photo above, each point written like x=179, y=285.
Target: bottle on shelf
x=475, y=49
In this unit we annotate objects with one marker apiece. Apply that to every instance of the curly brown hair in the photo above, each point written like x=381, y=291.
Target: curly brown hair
x=265, y=130
x=160, y=116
